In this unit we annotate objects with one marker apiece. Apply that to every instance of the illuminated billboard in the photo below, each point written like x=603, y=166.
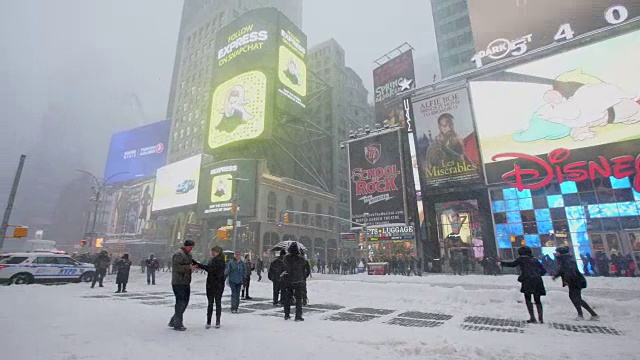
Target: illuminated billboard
x=506, y=28
x=219, y=190
x=137, y=153
x=177, y=184
x=130, y=211
x=260, y=69
x=568, y=117
x=396, y=75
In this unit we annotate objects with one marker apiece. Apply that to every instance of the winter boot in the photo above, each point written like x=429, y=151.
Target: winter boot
x=540, y=318
x=119, y=289
x=532, y=317
x=124, y=288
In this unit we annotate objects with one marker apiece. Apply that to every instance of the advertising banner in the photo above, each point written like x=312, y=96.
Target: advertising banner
x=505, y=28
x=218, y=190
x=177, y=184
x=390, y=78
x=447, y=146
x=137, y=153
x=571, y=116
x=256, y=54
x=131, y=209
x=377, y=180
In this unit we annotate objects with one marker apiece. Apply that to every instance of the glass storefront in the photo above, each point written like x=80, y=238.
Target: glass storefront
x=597, y=217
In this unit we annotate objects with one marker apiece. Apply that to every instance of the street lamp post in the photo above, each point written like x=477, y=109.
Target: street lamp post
x=97, y=191
x=235, y=212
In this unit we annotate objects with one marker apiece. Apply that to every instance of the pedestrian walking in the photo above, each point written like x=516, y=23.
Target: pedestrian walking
x=248, y=268
x=259, y=269
x=275, y=269
x=531, y=272
x=101, y=263
x=123, y=265
x=572, y=278
x=152, y=265
x=235, y=273
x=182, y=266
x=293, y=279
x=215, y=269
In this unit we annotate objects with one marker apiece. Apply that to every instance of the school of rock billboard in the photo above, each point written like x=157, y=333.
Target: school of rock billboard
x=506, y=28
x=390, y=78
x=447, y=146
x=218, y=190
x=260, y=67
x=568, y=117
x=376, y=168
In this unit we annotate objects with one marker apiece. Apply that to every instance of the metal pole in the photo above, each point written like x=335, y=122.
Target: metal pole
x=95, y=217
x=12, y=198
x=235, y=217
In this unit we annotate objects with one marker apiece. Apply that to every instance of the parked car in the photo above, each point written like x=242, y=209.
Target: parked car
x=43, y=267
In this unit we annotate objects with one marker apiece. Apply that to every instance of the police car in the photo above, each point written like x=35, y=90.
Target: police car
x=41, y=267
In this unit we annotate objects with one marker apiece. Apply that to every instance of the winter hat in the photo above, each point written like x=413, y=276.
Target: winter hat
x=293, y=248
x=562, y=250
x=217, y=249
x=125, y=256
x=189, y=243
x=525, y=251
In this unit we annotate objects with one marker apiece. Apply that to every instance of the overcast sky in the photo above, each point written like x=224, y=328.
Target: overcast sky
x=106, y=65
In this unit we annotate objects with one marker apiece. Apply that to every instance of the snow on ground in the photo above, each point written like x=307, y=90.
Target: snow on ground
x=62, y=323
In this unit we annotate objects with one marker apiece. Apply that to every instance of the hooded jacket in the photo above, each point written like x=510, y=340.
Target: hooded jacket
x=568, y=270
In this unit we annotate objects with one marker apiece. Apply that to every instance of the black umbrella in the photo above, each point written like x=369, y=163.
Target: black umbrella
x=284, y=245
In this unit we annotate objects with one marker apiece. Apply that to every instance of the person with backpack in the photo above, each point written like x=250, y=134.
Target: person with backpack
x=572, y=278
x=275, y=269
x=531, y=272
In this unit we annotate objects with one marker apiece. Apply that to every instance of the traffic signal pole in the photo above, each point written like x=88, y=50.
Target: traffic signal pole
x=10, y=201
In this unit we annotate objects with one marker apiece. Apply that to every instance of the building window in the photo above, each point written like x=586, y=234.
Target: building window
x=331, y=221
x=271, y=206
x=319, y=222
x=305, y=208
x=289, y=203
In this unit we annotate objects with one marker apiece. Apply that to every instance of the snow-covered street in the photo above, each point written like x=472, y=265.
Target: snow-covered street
x=350, y=317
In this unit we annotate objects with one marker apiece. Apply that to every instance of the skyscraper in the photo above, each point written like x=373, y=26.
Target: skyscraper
x=190, y=87
x=343, y=108
x=453, y=36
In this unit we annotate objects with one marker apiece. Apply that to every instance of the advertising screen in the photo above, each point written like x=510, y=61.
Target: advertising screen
x=377, y=178
x=447, y=147
x=218, y=190
x=177, y=184
x=138, y=153
x=505, y=28
x=390, y=78
x=131, y=209
x=571, y=116
x=260, y=66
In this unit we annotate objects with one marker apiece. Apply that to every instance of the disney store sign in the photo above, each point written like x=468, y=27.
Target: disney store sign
x=533, y=172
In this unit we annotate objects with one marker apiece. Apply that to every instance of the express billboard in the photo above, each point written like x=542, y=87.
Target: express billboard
x=218, y=190
x=376, y=168
x=257, y=54
x=137, y=153
x=177, y=184
x=505, y=28
x=389, y=79
x=570, y=116
x=447, y=146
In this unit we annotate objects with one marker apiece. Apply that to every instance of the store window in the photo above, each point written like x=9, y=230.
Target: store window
x=460, y=232
x=271, y=206
x=599, y=218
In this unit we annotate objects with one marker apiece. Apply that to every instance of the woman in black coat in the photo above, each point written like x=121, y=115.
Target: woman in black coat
x=571, y=277
x=531, y=271
x=215, y=283
x=123, y=265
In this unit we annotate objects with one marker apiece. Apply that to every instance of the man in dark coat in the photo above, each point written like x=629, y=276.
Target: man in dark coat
x=571, y=277
x=123, y=265
x=182, y=265
x=531, y=271
x=259, y=268
x=307, y=273
x=152, y=265
x=246, y=282
x=215, y=283
x=275, y=269
x=102, y=263
x=293, y=278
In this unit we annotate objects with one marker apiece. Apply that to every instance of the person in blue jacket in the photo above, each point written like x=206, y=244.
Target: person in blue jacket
x=235, y=273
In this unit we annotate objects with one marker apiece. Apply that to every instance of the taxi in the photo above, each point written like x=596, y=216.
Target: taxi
x=43, y=267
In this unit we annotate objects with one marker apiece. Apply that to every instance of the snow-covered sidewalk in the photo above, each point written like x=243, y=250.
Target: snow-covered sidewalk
x=350, y=317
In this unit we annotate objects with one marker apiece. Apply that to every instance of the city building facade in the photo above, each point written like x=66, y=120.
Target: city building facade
x=453, y=36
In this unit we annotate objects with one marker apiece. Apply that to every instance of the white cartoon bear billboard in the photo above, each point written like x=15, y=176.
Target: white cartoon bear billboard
x=579, y=99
